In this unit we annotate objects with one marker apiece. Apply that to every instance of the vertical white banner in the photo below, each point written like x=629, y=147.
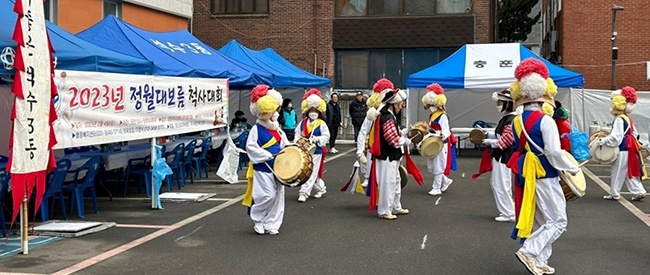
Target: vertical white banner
x=31, y=131
x=491, y=65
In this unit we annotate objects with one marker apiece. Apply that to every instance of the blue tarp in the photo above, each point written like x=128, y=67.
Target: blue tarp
x=176, y=53
x=450, y=73
x=285, y=74
x=72, y=53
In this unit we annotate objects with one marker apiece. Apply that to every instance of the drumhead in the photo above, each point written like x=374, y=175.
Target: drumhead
x=415, y=135
x=289, y=163
x=603, y=154
x=476, y=136
x=403, y=176
x=431, y=147
x=576, y=183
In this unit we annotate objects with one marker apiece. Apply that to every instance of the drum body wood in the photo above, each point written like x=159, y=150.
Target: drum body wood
x=602, y=154
x=574, y=187
x=476, y=136
x=304, y=143
x=418, y=131
x=403, y=176
x=431, y=146
x=293, y=166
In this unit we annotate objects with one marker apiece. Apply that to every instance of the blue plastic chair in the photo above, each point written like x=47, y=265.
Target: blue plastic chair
x=138, y=167
x=176, y=165
x=54, y=188
x=201, y=162
x=240, y=141
x=187, y=161
x=78, y=187
x=4, y=185
x=4, y=158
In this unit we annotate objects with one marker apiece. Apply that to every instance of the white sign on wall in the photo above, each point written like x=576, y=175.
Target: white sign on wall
x=97, y=108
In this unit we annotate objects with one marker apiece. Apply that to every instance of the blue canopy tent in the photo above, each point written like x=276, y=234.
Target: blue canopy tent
x=71, y=53
x=176, y=53
x=472, y=73
x=284, y=73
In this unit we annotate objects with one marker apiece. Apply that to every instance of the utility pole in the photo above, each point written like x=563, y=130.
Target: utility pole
x=614, y=47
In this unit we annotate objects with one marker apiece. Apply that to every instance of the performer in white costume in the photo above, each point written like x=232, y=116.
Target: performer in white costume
x=264, y=195
x=314, y=128
x=373, y=102
x=542, y=217
x=629, y=167
x=500, y=141
x=441, y=165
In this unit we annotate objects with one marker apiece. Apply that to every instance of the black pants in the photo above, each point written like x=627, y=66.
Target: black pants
x=334, y=131
x=291, y=134
x=357, y=129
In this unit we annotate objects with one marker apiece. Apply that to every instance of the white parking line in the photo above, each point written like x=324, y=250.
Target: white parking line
x=628, y=205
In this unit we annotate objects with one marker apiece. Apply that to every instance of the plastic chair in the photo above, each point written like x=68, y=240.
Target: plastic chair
x=187, y=161
x=201, y=161
x=54, y=188
x=138, y=167
x=4, y=185
x=77, y=188
x=240, y=141
x=176, y=165
x=4, y=158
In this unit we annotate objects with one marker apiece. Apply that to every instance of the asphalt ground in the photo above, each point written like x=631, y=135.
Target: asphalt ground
x=449, y=234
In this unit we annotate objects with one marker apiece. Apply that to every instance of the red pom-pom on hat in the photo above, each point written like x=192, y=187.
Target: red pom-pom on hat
x=382, y=85
x=531, y=65
x=630, y=94
x=312, y=91
x=436, y=88
x=259, y=91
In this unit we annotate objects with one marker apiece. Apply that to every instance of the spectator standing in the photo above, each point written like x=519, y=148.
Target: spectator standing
x=358, y=110
x=333, y=120
x=288, y=119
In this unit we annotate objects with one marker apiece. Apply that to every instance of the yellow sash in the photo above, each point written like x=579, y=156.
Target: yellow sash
x=435, y=115
x=312, y=126
x=531, y=171
x=248, y=196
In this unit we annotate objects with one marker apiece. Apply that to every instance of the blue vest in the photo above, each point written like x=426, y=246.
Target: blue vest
x=264, y=136
x=623, y=145
x=317, y=133
x=536, y=135
x=289, y=119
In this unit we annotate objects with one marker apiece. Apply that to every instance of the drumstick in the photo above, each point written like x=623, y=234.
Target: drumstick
x=583, y=163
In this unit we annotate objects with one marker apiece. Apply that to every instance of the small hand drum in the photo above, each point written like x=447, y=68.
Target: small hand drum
x=418, y=131
x=431, y=146
x=403, y=176
x=476, y=136
x=304, y=143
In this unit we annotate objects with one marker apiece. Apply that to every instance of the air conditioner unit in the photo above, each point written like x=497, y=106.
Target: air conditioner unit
x=552, y=41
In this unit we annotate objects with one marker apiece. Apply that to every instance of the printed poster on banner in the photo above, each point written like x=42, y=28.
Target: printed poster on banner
x=99, y=108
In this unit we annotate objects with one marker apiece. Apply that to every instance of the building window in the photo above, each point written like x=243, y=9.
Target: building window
x=359, y=69
x=112, y=7
x=50, y=7
x=239, y=6
x=351, y=8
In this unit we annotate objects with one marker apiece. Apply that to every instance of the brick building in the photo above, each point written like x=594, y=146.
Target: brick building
x=578, y=36
x=153, y=15
x=353, y=42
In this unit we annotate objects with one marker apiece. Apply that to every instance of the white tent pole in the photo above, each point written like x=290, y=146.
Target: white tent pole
x=154, y=194
x=585, y=125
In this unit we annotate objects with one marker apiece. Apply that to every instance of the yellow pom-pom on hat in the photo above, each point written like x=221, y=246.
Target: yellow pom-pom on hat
x=533, y=83
x=624, y=100
x=313, y=99
x=272, y=100
x=434, y=96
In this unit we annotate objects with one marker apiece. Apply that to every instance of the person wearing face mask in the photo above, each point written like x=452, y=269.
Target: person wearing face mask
x=500, y=143
x=314, y=128
x=288, y=118
x=629, y=167
x=264, y=195
x=441, y=165
x=387, y=147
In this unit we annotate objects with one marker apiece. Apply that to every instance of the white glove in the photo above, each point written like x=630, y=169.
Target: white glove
x=574, y=172
x=313, y=139
x=490, y=142
x=405, y=131
x=363, y=159
x=600, y=142
x=404, y=141
x=359, y=154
